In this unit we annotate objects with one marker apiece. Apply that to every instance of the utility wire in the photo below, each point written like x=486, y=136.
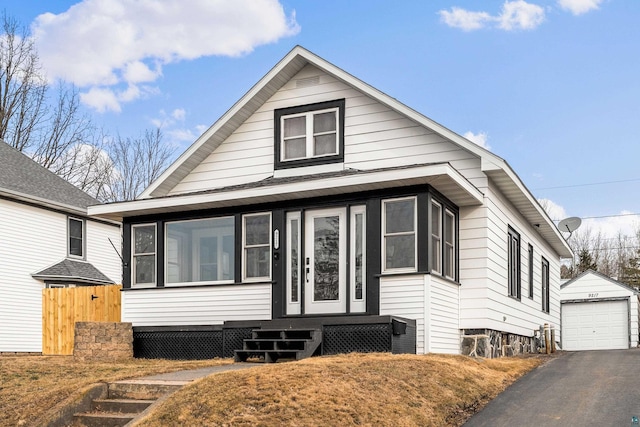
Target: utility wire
x=587, y=185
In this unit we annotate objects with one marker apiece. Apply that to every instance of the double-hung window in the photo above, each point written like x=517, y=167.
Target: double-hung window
x=144, y=254
x=443, y=240
x=309, y=134
x=545, y=286
x=399, y=235
x=436, y=237
x=513, y=263
x=449, y=247
x=76, y=237
x=256, y=243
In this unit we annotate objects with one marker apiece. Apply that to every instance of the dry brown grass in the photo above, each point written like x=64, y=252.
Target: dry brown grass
x=30, y=386
x=346, y=390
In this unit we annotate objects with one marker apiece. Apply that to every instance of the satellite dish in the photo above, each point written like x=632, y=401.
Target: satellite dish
x=569, y=225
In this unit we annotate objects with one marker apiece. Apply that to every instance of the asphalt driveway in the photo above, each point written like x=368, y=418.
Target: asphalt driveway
x=588, y=388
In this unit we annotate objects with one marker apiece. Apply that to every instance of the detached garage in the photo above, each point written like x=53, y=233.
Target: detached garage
x=598, y=313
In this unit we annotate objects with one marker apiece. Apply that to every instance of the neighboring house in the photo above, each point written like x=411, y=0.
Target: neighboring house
x=598, y=313
x=318, y=198
x=46, y=240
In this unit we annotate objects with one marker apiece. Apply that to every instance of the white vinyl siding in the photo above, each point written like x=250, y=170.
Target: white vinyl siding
x=247, y=155
x=444, y=314
x=433, y=303
x=32, y=239
x=101, y=253
x=405, y=296
x=211, y=305
x=484, y=300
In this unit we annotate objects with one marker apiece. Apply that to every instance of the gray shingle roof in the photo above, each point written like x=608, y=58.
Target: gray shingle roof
x=19, y=174
x=73, y=271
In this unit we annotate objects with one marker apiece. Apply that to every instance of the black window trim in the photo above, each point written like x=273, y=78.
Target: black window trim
x=310, y=161
x=445, y=206
x=531, y=256
x=83, y=238
x=514, y=284
x=545, y=286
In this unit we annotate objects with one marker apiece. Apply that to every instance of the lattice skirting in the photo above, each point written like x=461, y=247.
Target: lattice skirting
x=201, y=342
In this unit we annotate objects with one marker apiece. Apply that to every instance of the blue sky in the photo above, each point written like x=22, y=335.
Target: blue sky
x=552, y=86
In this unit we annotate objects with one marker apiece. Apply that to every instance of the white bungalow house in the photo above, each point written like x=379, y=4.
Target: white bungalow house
x=318, y=201
x=46, y=240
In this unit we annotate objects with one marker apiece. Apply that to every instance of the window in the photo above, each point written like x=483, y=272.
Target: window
x=293, y=262
x=449, y=249
x=545, y=285
x=76, y=237
x=513, y=263
x=310, y=134
x=399, y=234
x=443, y=240
x=256, y=248
x=358, y=258
x=436, y=237
x=200, y=250
x=144, y=254
x=530, y=271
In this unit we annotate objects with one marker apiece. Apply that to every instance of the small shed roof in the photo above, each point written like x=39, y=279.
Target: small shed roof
x=73, y=271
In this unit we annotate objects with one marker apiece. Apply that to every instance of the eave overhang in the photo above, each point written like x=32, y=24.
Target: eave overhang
x=442, y=176
x=21, y=197
x=515, y=191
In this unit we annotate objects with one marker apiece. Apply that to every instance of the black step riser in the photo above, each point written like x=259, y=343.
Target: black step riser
x=273, y=344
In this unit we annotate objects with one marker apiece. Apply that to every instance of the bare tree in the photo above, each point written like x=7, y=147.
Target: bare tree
x=23, y=86
x=65, y=128
x=137, y=162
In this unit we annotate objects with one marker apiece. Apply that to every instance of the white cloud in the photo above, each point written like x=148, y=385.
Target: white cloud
x=515, y=15
x=578, y=7
x=520, y=15
x=107, y=47
x=179, y=114
x=478, y=139
x=554, y=210
x=464, y=19
x=101, y=99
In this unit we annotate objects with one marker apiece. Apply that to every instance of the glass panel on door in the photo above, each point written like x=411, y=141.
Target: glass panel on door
x=325, y=261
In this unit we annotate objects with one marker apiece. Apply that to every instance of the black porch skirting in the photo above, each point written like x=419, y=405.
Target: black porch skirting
x=342, y=334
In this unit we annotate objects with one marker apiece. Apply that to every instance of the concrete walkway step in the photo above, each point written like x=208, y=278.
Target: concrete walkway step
x=102, y=419
x=132, y=406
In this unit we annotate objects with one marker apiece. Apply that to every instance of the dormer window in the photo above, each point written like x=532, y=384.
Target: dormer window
x=309, y=134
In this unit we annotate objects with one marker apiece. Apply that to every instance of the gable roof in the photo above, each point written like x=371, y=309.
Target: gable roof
x=495, y=167
x=70, y=270
x=24, y=179
x=599, y=275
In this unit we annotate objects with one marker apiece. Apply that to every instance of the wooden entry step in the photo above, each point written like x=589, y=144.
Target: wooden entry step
x=269, y=345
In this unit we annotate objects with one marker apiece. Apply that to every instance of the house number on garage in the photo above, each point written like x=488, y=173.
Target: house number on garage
x=593, y=295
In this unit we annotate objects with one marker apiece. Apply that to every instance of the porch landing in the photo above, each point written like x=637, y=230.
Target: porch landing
x=339, y=334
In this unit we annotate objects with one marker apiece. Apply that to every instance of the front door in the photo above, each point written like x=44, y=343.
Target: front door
x=325, y=263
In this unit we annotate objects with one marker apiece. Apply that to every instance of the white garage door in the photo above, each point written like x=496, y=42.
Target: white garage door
x=601, y=325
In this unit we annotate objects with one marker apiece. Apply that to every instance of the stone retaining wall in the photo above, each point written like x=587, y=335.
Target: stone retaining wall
x=103, y=341
x=490, y=343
